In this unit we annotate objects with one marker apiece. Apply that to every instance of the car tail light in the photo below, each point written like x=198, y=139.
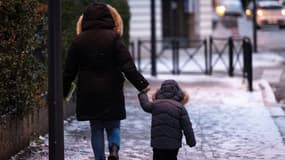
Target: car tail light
x=283, y=12
x=259, y=13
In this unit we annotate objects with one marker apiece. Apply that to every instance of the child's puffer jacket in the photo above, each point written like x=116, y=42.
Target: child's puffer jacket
x=169, y=117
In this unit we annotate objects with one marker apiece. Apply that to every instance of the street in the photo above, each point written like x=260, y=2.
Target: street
x=270, y=38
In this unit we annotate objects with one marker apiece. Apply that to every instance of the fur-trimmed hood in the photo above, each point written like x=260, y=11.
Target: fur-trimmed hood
x=100, y=14
x=170, y=89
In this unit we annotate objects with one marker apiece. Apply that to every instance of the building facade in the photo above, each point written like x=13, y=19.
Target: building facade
x=190, y=19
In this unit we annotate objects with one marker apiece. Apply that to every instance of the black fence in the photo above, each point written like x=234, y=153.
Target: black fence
x=228, y=51
x=208, y=56
x=173, y=56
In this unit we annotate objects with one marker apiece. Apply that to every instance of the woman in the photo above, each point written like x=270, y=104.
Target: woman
x=102, y=62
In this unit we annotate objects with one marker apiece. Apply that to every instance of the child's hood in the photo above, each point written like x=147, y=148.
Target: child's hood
x=170, y=90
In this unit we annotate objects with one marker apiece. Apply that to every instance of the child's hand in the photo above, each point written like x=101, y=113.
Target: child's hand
x=146, y=89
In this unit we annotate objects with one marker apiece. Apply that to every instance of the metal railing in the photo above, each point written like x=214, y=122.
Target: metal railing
x=171, y=53
x=183, y=56
x=228, y=53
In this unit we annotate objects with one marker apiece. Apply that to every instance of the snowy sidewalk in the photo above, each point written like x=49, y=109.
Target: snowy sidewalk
x=230, y=124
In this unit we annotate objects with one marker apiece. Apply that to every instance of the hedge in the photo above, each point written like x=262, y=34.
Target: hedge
x=22, y=83
x=22, y=78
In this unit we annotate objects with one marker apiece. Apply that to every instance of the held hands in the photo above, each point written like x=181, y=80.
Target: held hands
x=145, y=90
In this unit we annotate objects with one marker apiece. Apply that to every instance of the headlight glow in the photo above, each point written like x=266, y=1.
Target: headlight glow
x=283, y=12
x=248, y=12
x=220, y=10
x=259, y=13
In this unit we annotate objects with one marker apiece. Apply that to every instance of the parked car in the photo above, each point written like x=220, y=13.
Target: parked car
x=267, y=12
x=229, y=8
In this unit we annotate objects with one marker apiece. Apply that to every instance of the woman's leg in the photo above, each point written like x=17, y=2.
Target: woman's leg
x=114, y=139
x=97, y=140
x=113, y=133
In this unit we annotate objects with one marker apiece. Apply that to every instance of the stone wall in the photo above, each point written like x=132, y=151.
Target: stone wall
x=15, y=133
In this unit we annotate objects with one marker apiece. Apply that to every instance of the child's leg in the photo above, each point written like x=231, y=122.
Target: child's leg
x=165, y=154
x=97, y=140
x=173, y=153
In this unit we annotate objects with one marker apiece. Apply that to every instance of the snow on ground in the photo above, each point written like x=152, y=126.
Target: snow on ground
x=230, y=124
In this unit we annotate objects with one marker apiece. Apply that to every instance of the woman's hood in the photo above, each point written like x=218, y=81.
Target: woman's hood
x=99, y=15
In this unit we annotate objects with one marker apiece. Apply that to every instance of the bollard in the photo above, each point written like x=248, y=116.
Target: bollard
x=231, y=57
x=244, y=59
x=177, y=57
x=206, y=56
x=173, y=46
x=210, y=56
x=247, y=53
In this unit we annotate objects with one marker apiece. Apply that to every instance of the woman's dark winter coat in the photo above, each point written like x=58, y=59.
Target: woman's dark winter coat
x=101, y=61
x=169, y=117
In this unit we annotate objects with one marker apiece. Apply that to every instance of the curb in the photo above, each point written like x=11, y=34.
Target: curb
x=268, y=96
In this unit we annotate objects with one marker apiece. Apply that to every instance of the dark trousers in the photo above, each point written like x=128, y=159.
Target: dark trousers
x=165, y=154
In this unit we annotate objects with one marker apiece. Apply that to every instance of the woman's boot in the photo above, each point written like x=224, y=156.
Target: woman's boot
x=114, y=149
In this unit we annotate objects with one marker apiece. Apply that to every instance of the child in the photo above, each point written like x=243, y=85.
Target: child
x=169, y=119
